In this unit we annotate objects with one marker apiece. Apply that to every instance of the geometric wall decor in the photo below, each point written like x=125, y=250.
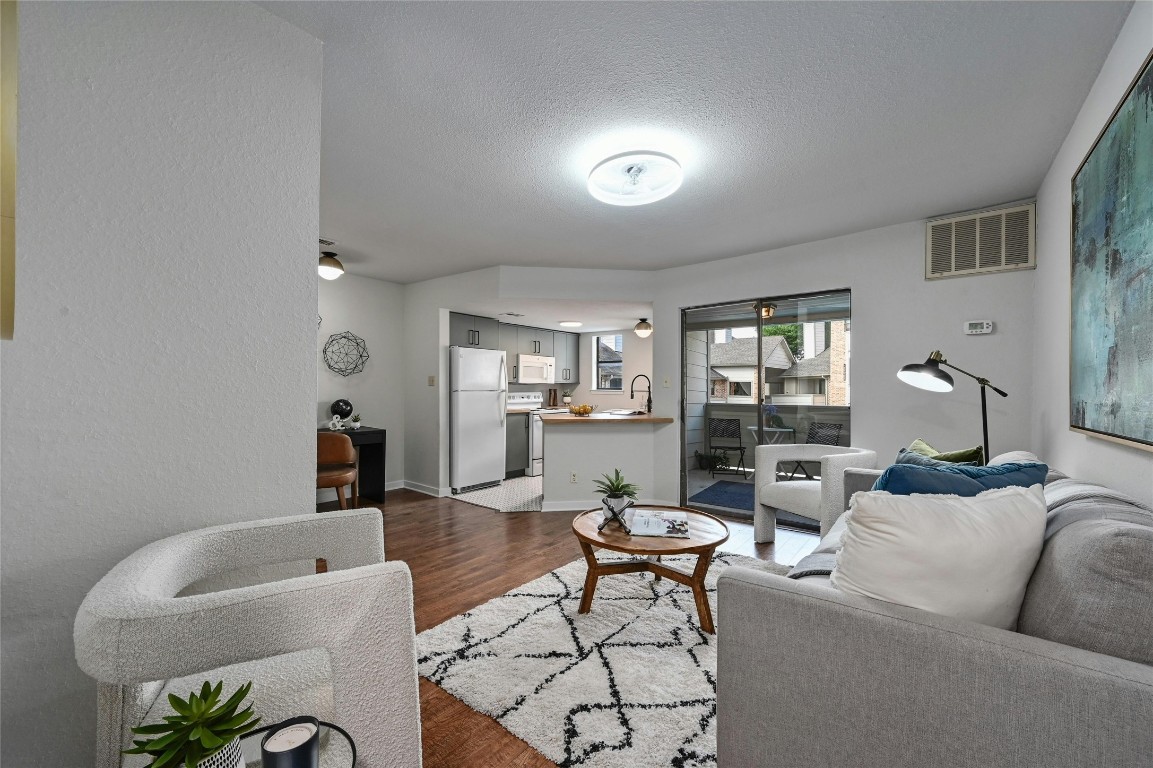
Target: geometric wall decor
x=345, y=353
x=1111, y=328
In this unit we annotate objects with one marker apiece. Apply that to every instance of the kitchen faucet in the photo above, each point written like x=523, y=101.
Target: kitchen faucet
x=649, y=399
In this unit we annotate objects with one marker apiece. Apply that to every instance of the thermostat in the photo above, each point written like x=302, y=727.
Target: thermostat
x=978, y=327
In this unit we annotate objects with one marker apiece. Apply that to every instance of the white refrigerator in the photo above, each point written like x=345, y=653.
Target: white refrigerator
x=477, y=411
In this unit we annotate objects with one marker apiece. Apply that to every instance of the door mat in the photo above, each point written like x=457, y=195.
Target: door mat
x=631, y=684
x=726, y=493
x=520, y=494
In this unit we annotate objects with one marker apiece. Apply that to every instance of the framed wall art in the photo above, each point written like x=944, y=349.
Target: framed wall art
x=1111, y=339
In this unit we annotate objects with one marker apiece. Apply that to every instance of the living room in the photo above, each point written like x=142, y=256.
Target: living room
x=164, y=355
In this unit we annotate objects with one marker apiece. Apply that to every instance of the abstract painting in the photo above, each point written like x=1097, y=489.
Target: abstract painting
x=1111, y=344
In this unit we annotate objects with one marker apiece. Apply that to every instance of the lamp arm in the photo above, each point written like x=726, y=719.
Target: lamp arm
x=980, y=379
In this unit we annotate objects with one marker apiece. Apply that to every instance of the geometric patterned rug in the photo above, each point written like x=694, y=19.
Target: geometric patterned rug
x=520, y=494
x=630, y=684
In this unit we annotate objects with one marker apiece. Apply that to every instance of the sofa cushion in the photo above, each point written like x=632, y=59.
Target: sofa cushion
x=966, y=557
x=905, y=456
x=1026, y=457
x=974, y=455
x=801, y=497
x=1093, y=589
x=903, y=479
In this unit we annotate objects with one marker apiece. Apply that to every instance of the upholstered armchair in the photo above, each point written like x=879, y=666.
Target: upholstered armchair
x=821, y=500
x=338, y=645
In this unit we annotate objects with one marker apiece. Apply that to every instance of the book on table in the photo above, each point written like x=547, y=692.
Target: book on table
x=659, y=522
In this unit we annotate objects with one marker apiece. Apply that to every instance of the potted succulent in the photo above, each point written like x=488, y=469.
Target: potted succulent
x=617, y=492
x=566, y=396
x=201, y=734
x=355, y=421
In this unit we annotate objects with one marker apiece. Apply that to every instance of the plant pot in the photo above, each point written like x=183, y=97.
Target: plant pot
x=355, y=425
x=566, y=400
x=609, y=504
x=229, y=757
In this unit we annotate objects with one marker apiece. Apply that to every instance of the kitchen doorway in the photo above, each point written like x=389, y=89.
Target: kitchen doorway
x=756, y=372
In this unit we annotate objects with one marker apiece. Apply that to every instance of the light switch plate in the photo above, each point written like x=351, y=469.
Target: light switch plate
x=978, y=327
x=432, y=381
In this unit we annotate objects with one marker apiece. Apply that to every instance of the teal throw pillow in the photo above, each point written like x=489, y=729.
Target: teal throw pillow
x=957, y=479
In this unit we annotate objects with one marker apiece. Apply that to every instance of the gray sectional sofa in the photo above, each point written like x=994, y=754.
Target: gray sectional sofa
x=809, y=676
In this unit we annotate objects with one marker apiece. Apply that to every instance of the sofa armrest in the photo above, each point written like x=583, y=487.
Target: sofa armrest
x=859, y=480
x=876, y=684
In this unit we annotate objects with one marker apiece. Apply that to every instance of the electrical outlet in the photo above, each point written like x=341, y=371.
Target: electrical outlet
x=432, y=381
x=572, y=478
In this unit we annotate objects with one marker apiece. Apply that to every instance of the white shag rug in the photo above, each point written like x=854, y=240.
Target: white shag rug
x=520, y=494
x=630, y=684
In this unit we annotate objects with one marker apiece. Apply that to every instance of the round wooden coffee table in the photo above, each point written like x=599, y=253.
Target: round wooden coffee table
x=706, y=533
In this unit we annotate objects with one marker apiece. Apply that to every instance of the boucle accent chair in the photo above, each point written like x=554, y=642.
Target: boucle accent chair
x=818, y=499
x=337, y=645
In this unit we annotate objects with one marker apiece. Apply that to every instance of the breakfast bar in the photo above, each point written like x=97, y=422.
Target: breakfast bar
x=586, y=447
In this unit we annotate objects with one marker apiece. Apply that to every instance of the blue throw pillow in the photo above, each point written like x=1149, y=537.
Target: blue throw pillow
x=905, y=456
x=904, y=479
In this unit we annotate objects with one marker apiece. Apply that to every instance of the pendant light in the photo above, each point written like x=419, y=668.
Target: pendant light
x=329, y=267
x=644, y=328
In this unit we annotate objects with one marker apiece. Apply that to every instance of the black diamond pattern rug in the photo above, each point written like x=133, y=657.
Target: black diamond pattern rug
x=632, y=683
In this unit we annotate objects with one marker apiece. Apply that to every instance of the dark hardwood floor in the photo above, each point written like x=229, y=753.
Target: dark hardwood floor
x=462, y=555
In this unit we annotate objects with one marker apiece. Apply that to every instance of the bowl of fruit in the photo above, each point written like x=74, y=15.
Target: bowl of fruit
x=581, y=410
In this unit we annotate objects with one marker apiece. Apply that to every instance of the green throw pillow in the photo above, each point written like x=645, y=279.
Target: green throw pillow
x=975, y=454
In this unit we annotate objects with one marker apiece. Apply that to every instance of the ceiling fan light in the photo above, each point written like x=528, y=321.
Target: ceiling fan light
x=635, y=178
x=644, y=328
x=329, y=266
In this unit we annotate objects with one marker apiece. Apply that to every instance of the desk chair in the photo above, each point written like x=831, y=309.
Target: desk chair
x=336, y=466
x=725, y=436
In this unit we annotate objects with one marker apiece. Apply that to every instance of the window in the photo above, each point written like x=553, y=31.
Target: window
x=741, y=388
x=610, y=362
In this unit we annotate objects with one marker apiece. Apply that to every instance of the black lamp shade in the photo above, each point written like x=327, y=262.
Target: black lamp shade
x=927, y=375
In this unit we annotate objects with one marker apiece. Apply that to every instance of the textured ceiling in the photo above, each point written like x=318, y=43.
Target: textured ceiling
x=458, y=136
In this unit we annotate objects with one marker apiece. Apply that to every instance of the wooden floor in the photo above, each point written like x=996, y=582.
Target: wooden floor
x=462, y=555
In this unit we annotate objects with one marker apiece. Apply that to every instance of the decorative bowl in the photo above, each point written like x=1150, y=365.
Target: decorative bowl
x=581, y=410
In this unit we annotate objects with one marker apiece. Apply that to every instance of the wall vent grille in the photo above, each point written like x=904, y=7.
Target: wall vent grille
x=996, y=240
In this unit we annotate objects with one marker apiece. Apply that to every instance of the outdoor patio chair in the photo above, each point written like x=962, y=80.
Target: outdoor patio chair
x=725, y=436
x=820, y=433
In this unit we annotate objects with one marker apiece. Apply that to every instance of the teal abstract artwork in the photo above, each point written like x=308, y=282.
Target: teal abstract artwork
x=1111, y=349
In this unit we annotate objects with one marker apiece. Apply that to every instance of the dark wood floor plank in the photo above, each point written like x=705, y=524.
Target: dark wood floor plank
x=461, y=556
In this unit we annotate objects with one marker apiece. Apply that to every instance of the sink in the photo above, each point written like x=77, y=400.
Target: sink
x=624, y=412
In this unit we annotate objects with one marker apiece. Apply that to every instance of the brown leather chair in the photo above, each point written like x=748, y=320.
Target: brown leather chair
x=336, y=465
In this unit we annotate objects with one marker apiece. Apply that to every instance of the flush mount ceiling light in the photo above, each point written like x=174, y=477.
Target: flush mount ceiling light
x=329, y=267
x=644, y=328
x=635, y=178
x=570, y=323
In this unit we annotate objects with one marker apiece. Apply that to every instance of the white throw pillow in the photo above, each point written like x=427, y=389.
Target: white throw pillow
x=970, y=558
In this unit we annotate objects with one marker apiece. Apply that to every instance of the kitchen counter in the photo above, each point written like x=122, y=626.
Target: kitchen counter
x=604, y=418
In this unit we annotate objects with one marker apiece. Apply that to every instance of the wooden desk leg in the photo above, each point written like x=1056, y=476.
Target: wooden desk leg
x=590, y=578
x=699, y=595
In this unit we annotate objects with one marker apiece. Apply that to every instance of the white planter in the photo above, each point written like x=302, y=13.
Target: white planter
x=610, y=503
x=229, y=757
x=355, y=425
x=566, y=400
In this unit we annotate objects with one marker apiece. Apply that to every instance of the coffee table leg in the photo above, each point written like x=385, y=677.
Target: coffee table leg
x=702, y=599
x=655, y=559
x=590, y=579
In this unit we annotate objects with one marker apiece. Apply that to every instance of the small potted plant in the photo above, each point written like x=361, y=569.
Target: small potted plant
x=355, y=421
x=566, y=396
x=617, y=492
x=201, y=733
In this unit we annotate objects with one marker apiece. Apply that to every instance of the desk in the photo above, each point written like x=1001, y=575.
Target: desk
x=370, y=453
x=776, y=435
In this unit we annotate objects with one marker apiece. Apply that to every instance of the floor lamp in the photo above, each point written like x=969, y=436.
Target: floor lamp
x=928, y=375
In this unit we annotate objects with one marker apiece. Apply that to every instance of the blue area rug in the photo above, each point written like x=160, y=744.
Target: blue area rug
x=726, y=493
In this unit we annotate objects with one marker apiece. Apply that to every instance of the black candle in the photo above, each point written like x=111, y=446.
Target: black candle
x=295, y=743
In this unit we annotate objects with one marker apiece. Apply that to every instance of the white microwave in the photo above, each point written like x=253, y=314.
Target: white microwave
x=535, y=369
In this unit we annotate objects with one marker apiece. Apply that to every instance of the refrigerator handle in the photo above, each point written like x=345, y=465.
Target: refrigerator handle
x=502, y=404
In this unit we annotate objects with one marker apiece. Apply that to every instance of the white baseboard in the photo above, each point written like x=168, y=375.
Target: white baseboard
x=427, y=490
x=581, y=506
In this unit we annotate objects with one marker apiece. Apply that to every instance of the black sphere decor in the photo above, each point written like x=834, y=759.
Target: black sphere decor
x=345, y=353
x=341, y=408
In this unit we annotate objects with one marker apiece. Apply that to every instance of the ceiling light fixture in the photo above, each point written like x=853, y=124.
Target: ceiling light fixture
x=329, y=267
x=644, y=328
x=635, y=178
x=570, y=324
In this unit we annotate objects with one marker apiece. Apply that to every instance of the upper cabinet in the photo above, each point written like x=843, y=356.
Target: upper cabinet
x=472, y=331
x=566, y=350
x=510, y=343
x=534, y=341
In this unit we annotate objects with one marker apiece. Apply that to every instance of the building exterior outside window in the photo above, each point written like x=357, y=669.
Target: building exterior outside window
x=609, y=362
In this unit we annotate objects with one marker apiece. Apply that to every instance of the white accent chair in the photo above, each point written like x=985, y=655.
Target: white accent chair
x=339, y=645
x=821, y=499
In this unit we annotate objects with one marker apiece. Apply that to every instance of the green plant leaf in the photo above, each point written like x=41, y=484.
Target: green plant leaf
x=171, y=757
x=210, y=740
x=235, y=721
x=180, y=705
x=154, y=728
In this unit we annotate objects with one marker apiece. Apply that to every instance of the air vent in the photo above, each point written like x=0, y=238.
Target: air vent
x=327, y=243
x=996, y=240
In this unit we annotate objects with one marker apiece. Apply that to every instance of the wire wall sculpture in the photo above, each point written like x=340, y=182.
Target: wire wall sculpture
x=345, y=353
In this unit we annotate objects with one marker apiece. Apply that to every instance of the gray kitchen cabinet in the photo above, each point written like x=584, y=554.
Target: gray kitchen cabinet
x=508, y=340
x=566, y=350
x=534, y=341
x=472, y=331
x=516, y=444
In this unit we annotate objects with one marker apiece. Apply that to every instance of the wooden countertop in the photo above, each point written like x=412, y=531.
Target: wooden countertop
x=604, y=418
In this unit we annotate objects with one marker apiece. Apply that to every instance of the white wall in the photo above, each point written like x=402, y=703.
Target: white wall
x=637, y=358
x=898, y=317
x=374, y=311
x=1122, y=467
x=161, y=378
